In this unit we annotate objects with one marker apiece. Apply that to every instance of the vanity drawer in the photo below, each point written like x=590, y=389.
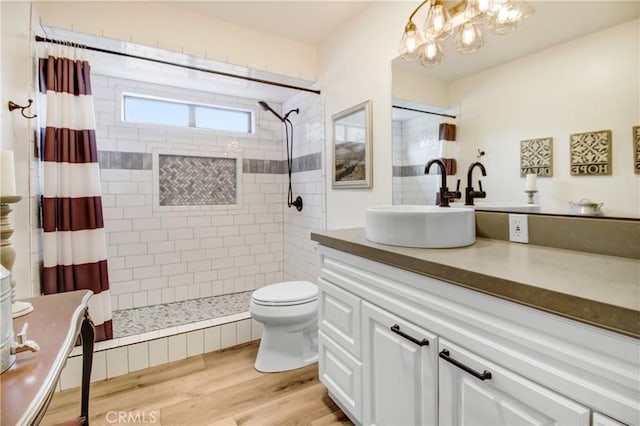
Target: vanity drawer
x=341, y=373
x=339, y=317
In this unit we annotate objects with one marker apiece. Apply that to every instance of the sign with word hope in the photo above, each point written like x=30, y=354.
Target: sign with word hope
x=591, y=153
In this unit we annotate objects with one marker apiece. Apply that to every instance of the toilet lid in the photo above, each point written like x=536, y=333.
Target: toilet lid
x=286, y=293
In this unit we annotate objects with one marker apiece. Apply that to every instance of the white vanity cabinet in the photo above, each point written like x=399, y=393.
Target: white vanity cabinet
x=400, y=370
x=393, y=345
x=475, y=391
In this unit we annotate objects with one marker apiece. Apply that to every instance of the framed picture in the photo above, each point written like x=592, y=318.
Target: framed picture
x=352, y=147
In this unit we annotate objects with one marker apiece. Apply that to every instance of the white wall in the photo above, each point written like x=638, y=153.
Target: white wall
x=588, y=84
x=17, y=84
x=418, y=88
x=159, y=25
x=355, y=65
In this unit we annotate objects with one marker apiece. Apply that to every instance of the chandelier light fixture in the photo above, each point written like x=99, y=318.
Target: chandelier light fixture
x=464, y=19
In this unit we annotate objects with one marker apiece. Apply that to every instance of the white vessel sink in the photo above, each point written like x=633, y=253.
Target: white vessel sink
x=421, y=226
x=502, y=206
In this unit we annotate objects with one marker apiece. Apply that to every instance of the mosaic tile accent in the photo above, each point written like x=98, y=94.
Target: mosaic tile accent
x=636, y=149
x=124, y=160
x=196, y=181
x=304, y=163
x=128, y=322
x=591, y=153
x=143, y=161
x=276, y=167
x=406, y=171
x=418, y=169
x=536, y=157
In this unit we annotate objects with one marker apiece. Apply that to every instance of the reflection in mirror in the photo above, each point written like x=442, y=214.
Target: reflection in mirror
x=416, y=140
x=584, y=81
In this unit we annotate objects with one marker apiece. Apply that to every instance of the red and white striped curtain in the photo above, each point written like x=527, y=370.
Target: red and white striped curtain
x=73, y=244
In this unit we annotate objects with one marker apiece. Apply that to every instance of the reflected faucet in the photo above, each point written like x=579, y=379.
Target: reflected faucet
x=469, y=193
x=445, y=195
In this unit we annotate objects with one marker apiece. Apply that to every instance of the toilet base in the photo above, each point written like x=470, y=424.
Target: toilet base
x=282, y=349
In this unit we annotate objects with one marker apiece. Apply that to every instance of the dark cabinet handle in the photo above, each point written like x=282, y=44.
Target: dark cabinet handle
x=396, y=329
x=485, y=375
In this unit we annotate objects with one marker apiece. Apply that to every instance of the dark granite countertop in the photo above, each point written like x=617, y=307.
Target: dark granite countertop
x=600, y=290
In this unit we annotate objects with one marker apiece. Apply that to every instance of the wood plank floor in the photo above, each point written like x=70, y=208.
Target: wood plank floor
x=218, y=388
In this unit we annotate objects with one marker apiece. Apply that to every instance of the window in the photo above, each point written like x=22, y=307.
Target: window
x=139, y=109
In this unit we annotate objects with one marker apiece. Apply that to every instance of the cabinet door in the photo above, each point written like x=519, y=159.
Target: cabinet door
x=474, y=391
x=400, y=376
x=602, y=420
x=341, y=373
x=339, y=316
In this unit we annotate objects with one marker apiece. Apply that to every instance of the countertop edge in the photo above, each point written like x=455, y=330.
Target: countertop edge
x=602, y=315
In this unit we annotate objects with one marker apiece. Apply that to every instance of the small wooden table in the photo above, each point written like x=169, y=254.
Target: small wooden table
x=55, y=323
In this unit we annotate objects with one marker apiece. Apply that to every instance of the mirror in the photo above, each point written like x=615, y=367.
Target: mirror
x=352, y=147
x=581, y=78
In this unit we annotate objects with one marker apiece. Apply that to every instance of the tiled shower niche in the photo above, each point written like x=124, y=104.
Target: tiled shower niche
x=196, y=181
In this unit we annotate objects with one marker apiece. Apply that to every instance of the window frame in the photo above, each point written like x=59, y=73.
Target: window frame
x=192, y=106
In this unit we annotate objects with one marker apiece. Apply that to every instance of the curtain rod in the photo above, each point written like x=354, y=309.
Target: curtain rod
x=189, y=67
x=424, y=112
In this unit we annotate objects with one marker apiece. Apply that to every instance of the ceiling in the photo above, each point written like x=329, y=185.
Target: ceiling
x=313, y=21
x=308, y=21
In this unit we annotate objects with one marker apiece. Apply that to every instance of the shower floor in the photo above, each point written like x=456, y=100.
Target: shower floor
x=127, y=322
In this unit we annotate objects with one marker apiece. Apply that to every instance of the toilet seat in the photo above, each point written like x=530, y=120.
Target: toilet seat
x=286, y=294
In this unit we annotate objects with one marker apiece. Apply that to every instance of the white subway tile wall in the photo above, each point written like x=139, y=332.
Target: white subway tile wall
x=168, y=254
x=300, y=262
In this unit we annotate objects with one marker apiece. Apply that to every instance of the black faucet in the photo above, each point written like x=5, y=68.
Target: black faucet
x=469, y=193
x=445, y=195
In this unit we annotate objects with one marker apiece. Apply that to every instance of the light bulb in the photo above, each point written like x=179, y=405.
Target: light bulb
x=503, y=15
x=506, y=19
x=410, y=42
x=430, y=53
x=468, y=39
x=483, y=5
x=437, y=25
x=478, y=10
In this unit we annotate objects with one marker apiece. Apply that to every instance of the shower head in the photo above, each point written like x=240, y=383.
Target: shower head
x=296, y=110
x=265, y=106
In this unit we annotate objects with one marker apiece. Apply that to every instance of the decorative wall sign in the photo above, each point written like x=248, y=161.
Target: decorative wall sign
x=636, y=149
x=591, y=153
x=536, y=157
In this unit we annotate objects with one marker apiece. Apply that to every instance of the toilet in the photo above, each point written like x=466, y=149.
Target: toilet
x=289, y=312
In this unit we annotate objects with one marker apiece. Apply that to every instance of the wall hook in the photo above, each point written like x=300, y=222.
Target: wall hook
x=13, y=105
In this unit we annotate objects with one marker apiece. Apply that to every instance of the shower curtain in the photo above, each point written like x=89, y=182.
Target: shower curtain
x=73, y=239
